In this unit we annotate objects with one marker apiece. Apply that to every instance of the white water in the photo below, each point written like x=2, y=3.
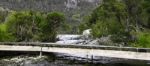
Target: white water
x=63, y=37
x=74, y=39
x=69, y=39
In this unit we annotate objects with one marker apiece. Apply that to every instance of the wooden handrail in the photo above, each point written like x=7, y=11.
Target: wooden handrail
x=133, y=49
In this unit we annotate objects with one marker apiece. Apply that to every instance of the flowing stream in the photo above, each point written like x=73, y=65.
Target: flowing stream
x=54, y=59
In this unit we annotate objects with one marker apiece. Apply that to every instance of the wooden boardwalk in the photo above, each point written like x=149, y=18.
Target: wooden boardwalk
x=79, y=50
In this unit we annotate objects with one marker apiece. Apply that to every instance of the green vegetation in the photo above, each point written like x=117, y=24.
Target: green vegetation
x=124, y=21
x=143, y=40
x=4, y=35
x=31, y=26
x=127, y=21
x=49, y=29
x=24, y=26
x=3, y=14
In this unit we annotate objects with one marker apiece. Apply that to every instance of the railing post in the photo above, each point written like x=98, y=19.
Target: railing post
x=87, y=57
x=137, y=50
x=92, y=59
x=41, y=51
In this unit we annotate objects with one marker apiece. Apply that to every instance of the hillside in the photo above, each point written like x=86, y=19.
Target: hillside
x=73, y=9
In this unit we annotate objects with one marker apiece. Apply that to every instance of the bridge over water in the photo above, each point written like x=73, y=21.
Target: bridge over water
x=79, y=50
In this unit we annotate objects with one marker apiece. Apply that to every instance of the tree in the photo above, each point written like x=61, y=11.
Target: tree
x=109, y=15
x=110, y=18
x=24, y=25
x=34, y=26
x=134, y=11
x=3, y=14
x=146, y=10
x=53, y=21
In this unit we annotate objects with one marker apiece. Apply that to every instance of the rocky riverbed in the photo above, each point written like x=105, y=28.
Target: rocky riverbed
x=33, y=61
x=55, y=60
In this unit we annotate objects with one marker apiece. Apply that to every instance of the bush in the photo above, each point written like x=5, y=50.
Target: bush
x=143, y=40
x=4, y=35
x=107, y=27
x=85, y=24
x=34, y=26
x=24, y=26
x=82, y=27
x=49, y=30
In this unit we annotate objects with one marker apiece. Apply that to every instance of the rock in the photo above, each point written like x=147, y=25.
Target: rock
x=86, y=34
x=105, y=40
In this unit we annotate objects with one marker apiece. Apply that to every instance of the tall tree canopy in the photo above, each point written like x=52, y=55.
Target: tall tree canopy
x=24, y=25
x=53, y=21
x=34, y=26
x=122, y=19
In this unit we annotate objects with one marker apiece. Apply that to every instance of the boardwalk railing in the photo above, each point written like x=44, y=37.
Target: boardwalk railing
x=133, y=49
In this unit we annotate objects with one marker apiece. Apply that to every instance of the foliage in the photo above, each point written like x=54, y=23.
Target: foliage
x=34, y=26
x=4, y=35
x=146, y=10
x=106, y=28
x=83, y=25
x=143, y=40
x=3, y=14
x=24, y=25
x=108, y=19
x=53, y=21
x=119, y=18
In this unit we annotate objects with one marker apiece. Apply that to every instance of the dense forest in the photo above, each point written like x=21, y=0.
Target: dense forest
x=74, y=10
x=126, y=22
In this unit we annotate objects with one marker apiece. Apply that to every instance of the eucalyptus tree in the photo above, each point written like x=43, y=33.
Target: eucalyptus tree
x=111, y=18
x=146, y=9
x=52, y=23
x=134, y=10
x=109, y=14
x=24, y=25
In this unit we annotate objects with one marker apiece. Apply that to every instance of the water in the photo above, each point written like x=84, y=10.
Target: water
x=69, y=39
x=56, y=59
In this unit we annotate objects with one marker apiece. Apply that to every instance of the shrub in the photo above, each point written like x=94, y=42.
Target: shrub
x=34, y=26
x=107, y=27
x=143, y=40
x=24, y=25
x=49, y=30
x=4, y=35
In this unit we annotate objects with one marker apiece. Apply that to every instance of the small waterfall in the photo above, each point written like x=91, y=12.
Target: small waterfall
x=84, y=38
x=69, y=39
